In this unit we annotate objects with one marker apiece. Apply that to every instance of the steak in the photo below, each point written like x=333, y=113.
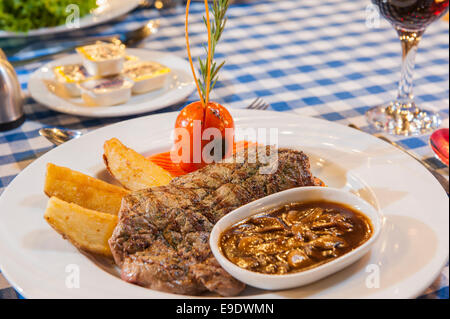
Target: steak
x=162, y=238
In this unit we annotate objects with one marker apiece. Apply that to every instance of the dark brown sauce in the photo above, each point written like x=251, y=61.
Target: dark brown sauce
x=295, y=237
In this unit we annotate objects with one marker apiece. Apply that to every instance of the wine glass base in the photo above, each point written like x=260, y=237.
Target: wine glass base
x=403, y=119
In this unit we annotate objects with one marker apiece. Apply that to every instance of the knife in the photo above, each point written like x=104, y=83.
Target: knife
x=440, y=178
x=130, y=38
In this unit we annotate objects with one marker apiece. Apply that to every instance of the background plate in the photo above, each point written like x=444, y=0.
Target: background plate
x=107, y=10
x=411, y=250
x=179, y=86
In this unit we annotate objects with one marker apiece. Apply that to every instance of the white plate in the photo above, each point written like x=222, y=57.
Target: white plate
x=179, y=86
x=409, y=254
x=106, y=10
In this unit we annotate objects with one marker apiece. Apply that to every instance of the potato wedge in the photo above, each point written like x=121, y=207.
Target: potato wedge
x=89, y=192
x=87, y=229
x=131, y=169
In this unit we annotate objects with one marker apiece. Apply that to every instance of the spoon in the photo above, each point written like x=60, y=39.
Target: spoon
x=58, y=136
x=439, y=144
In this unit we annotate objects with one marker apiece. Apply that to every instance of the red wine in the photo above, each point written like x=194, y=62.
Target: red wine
x=412, y=15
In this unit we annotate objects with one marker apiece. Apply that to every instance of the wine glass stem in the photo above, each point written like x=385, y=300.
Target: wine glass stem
x=410, y=43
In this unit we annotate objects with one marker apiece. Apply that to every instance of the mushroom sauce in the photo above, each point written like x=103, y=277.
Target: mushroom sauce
x=295, y=237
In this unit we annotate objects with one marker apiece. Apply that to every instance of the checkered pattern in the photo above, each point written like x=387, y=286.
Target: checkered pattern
x=312, y=58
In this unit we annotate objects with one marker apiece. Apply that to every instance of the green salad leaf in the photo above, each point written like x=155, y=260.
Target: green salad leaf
x=25, y=15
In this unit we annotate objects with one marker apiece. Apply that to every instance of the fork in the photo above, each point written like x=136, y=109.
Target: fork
x=258, y=104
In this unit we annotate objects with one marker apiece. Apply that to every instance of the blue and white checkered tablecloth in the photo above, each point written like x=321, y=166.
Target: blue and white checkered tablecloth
x=315, y=58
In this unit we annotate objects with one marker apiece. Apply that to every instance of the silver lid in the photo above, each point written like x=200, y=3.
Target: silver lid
x=11, y=100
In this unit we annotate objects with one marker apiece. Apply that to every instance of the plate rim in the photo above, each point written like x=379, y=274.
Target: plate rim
x=238, y=112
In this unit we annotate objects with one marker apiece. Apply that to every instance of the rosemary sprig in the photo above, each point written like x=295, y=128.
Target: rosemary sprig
x=219, y=10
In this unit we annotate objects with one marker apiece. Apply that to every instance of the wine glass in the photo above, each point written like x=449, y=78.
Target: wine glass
x=410, y=18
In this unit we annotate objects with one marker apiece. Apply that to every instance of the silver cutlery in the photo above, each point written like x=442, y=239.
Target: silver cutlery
x=440, y=178
x=59, y=135
x=258, y=104
x=130, y=39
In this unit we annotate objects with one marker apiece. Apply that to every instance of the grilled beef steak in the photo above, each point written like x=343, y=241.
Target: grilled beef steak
x=161, y=240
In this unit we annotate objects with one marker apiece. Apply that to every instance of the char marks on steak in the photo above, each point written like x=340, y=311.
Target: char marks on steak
x=161, y=240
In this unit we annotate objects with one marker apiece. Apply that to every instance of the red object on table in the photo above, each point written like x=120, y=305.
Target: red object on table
x=439, y=144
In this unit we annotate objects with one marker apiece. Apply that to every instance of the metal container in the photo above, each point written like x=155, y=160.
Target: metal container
x=11, y=99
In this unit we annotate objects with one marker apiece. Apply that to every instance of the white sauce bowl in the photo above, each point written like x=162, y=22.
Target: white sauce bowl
x=295, y=195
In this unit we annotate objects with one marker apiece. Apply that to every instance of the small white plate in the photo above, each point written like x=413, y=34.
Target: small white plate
x=106, y=10
x=294, y=195
x=179, y=86
x=407, y=257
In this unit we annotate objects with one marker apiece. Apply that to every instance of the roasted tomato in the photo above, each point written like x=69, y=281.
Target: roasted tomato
x=203, y=135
